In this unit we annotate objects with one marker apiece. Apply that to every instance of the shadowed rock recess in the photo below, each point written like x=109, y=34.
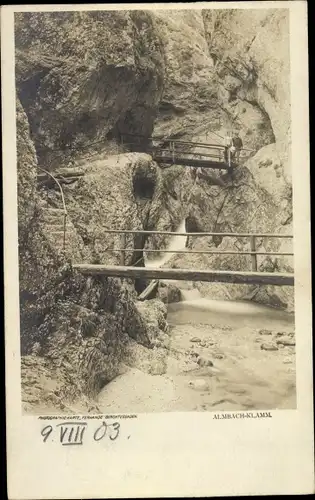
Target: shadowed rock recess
x=83, y=80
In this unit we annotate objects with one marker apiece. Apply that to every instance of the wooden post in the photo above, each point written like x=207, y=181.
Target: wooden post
x=254, y=255
x=122, y=246
x=64, y=230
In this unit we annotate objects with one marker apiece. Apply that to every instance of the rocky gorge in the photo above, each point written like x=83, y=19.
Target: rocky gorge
x=82, y=80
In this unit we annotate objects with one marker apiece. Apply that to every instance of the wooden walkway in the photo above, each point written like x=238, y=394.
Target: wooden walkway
x=252, y=277
x=186, y=153
x=192, y=162
x=238, y=277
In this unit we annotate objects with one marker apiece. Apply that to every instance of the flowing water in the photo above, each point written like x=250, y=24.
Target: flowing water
x=220, y=355
x=176, y=243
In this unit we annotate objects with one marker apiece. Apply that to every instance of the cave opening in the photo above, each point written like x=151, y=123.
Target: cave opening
x=144, y=185
x=28, y=92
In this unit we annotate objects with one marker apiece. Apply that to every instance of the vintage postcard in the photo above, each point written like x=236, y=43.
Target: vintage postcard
x=157, y=250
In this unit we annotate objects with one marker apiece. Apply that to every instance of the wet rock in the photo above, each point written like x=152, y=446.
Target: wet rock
x=204, y=361
x=199, y=385
x=265, y=332
x=287, y=361
x=168, y=293
x=158, y=367
x=268, y=346
x=195, y=339
x=194, y=354
x=156, y=343
x=218, y=355
x=164, y=340
x=286, y=341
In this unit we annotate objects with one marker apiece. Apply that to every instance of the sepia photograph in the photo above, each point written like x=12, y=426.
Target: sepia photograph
x=157, y=250
x=155, y=222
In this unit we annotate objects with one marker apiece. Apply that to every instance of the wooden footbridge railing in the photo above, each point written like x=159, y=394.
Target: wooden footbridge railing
x=187, y=153
x=241, y=277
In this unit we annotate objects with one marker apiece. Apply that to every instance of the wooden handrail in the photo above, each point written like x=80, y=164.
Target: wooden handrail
x=179, y=153
x=208, y=146
x=174, y=233
x=205, y=252
x=65, y=213
x=178, y=141
x=252, y=240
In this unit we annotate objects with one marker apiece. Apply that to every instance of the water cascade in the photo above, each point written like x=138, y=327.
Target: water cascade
x=176, y=243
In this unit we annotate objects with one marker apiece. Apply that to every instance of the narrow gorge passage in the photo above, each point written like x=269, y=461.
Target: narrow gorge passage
x=219, y=356
x=139, y=115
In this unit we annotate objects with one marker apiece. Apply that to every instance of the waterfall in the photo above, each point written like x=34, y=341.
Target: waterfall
x=176, y=243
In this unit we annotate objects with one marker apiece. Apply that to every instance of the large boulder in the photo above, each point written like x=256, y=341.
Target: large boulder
x=120, y=192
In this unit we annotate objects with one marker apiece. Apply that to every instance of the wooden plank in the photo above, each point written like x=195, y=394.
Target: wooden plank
x=149, y=290
x=60, y=176
x=191, y=162
x=49, y=182
x=239, y=277
x=178, y=153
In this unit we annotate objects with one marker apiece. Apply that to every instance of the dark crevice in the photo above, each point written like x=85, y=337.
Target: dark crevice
x=144, y=184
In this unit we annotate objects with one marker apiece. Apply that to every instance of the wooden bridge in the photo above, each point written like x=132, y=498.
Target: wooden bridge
x=186, y=153
x=249, y=277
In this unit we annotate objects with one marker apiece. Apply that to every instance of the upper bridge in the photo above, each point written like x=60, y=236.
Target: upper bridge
x=186, y=153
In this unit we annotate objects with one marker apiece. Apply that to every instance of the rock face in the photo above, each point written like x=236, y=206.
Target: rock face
x=75, y=332
x=26, y=171
x=241, y=207
x=251, y=50
x=123, y=191
x=246, y=84
x=82, y=74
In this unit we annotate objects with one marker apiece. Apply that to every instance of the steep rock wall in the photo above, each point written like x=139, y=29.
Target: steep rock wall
x=76, y=333
x=209, y=86
x=26, y=171
x=81, y=75
x=240, y=59
x=251, y=49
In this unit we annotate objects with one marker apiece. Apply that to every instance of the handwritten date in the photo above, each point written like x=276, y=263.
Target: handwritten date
x=72, y=433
